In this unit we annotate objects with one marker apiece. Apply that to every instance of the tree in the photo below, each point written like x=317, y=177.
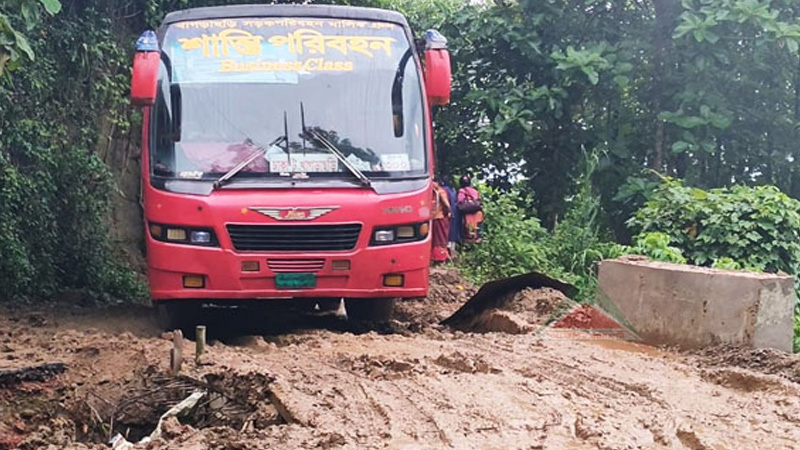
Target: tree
x=703, y=90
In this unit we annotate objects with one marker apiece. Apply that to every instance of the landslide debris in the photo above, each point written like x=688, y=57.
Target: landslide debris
x=515, y=305
x=526, y=311
x=435, y=388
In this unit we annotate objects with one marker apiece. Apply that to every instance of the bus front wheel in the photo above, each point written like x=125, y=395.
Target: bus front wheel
x=369, y=309
x=178, y=316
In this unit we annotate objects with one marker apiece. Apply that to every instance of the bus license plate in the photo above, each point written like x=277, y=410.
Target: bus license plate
x=295, y=280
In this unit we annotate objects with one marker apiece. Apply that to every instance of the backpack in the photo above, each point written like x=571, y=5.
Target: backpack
x=469, y=205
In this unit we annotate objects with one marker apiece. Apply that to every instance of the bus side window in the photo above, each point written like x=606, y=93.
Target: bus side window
x=164, y=151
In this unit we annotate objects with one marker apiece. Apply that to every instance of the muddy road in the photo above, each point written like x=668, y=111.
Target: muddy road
x=412, y=385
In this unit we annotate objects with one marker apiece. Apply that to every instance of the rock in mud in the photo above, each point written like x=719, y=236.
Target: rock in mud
x=464, y=363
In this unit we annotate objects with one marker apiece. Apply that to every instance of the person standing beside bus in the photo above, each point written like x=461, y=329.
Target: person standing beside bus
x=470, y=206
x=454, y=236
x=441, y=223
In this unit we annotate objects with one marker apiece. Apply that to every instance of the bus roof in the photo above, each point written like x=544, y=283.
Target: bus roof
x=327, y=11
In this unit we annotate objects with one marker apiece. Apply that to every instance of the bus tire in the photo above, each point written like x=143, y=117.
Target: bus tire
x=178, y=316
x=372, y=310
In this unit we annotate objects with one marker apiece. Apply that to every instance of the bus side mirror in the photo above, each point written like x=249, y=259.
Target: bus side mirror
x=145, y=70
x=438, y=75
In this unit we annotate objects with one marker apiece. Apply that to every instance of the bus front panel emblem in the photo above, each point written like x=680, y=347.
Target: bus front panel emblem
x=294, y=214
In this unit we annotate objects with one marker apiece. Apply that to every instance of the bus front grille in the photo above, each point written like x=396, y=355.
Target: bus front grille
x=295, y=265
x=294, y=237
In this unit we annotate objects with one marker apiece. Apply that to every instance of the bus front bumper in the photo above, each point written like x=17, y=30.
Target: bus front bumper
x=223, y=276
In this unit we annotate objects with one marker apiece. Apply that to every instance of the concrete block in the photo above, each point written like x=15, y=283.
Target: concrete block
x=691, y=307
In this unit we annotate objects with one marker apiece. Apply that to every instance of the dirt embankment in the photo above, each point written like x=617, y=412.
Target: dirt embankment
x=425, y=387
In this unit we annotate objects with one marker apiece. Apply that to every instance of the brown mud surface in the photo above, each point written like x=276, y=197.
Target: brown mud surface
x=448, y=291
x=427, y=387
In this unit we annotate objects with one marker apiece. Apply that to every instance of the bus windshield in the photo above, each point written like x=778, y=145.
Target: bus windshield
x=228, y=87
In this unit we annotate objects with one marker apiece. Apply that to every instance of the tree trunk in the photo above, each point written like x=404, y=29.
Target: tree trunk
x=666, y=12
x=794, y=185
x=718, y=161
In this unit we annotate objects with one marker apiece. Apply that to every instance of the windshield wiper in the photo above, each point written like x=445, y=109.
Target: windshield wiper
x=333, y=149
x=340, y=156
x=260, y=151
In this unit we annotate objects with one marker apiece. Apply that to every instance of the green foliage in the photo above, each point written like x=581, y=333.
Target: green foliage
x=515, y=242
x=656, y=246
x=726, y=264
x=577, y=242
x=700, y=90
x=14, y=45
x=421, y=14
x=797, y=329
x=756, y=227
x=54, y=187
x=512, y=240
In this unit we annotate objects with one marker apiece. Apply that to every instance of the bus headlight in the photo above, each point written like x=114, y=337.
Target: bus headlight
x=406, y=232
x=399, y=234
x=183, y=235
x=200, y=237
x=384, y=236
x=176, y=234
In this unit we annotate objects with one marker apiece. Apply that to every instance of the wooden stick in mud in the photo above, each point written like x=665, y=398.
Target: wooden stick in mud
x=200, y=343
x=176, y=352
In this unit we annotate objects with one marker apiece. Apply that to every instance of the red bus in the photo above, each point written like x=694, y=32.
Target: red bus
x=287, y=154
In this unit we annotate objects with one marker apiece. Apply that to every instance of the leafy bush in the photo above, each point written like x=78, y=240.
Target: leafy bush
x=797, y=329
x=726, y=264
x=756, y=227
x=14, y=46
x=579, y=241
x=575, y=238
x=513, y=240
x=750, y=228
x=656, y=246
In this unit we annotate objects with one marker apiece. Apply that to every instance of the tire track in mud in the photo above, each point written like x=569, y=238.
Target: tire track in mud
x=654, y=408
x=393, y=414
x=571, y=395
x=579, y=379
x=442, y=389
x=636, y=409
x=473, y=390
x=421, y=407
x=371, y=407
x=406, y=395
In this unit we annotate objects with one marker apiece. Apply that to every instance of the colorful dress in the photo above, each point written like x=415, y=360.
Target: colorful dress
x=441, y=224
x=472, y=221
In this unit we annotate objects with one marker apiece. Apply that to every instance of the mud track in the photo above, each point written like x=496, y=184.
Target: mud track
x=419, y=386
